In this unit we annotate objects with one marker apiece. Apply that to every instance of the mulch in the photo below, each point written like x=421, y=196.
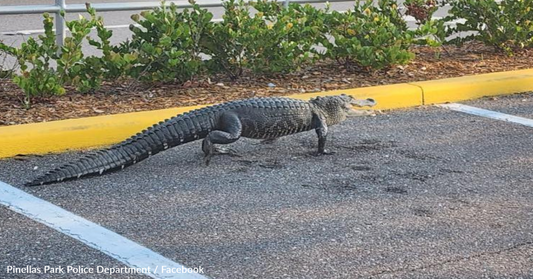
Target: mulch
x=130, y=96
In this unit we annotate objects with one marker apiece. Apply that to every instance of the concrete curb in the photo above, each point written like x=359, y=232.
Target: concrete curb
x=92, y=132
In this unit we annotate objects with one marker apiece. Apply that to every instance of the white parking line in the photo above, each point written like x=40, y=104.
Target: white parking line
x=91, y=234
x=489, y=114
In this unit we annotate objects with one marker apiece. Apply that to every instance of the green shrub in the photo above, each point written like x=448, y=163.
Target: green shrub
x=114, y=62
x=71, y=63
x=295, y=33
x=45, y=69
x=431, y=32
x=421, y=10
x=369, y=37
x=507, y=26
x=274, y=40
x=234, y=43
x=167, y=44
x=37, y=77
x=5, y=72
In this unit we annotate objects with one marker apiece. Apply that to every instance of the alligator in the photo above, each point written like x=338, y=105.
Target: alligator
x=265, y=118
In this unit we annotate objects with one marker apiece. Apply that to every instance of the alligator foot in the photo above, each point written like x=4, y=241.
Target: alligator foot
x=268, y=141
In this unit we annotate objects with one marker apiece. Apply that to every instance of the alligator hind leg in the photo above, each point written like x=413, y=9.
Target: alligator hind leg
x=228, y=131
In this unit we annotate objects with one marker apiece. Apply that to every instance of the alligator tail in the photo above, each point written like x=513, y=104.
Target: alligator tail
x=166, y=134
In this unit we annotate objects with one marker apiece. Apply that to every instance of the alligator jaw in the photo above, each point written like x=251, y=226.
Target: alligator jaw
x=360, y=103
x=363, y=103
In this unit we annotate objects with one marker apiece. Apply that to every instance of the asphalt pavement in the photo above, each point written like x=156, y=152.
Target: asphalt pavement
x=417, y=193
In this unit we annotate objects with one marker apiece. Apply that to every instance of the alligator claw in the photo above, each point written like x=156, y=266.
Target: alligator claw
x=325, y=152
x=234, y=154
x=226, y=151
x=223, y=151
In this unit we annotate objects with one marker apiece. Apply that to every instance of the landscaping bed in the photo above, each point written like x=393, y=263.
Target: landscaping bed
x=132, y=96
x=181, y=57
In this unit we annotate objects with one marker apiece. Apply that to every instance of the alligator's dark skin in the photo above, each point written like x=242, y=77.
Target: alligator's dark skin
x=257, y=118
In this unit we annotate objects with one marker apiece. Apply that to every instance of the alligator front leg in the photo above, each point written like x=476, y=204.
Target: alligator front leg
x=228, y=130
x=322, y=133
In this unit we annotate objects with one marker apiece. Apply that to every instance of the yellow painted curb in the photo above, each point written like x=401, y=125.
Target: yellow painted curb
x=472, y=87
x=92, y=132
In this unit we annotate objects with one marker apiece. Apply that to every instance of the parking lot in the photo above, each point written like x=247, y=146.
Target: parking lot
x=417, y=193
